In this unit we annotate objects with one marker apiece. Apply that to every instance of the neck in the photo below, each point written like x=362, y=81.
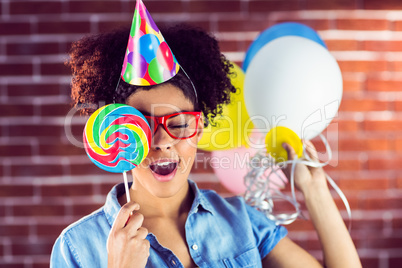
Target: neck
x=152, y=206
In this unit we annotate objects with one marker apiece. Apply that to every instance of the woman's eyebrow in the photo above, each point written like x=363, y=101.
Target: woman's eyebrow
x=178, y=111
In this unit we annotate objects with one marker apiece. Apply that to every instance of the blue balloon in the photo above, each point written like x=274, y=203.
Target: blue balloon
x=279, y=30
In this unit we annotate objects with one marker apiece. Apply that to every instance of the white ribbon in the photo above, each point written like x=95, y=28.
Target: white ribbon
x=261, y=194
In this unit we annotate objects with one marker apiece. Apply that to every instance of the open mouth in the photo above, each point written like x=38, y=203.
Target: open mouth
x=163, y=168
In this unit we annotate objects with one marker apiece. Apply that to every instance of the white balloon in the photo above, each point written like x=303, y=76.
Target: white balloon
x=294, y=82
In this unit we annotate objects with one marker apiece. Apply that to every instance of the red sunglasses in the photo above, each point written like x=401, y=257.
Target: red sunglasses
x=182, y=125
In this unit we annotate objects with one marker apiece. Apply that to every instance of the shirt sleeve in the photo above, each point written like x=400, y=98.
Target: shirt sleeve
x=63, y=255
x=266, y=232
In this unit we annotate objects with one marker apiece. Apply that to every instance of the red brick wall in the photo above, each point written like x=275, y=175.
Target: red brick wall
x=47, y=182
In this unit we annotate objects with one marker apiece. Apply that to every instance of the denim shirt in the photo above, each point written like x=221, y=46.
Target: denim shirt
x=220, y=232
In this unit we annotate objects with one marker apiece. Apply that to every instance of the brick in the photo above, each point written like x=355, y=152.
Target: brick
x=342, y=45
x=66, y=190
x=32, y=48
x=352, y=85
x=232, y=46
x=36, y=170
x=398, y=144
x=53, y=230
x=316, y=24
x=362, y=24
x=40, y=263
x=29, y=210
x=14, y=230
x=35, y=130
x=85, y=209
x=300, y=225
x=383, y=243
x=46, y=149
x=375, y=84
x=389, y=4
x=33, y=90
x=395, y=66
x=395, y=261
x=16, y=110
x=54, y=69
x=86, y=169
x=364, y=105
x=361, y=185
x=334, y=4
x=388, y=45
x=380, y=203
x=36, y=7
x=367, y=224
x=363, y=144
x=15, y=28
x=106, y=187
x=14, y=69
x=242, y=25
x=15, y=150
x=214, y=6
x=16, y=190
x=95, y=7
x=346, y=165
x=348, y=125
x=55, y=109
x=2, y=211
x=362, y=66
x=384, y=164
x=64, y=27
x=352, y=200
x=370, y=262
x=386, y=125
x=160, y=6
x=398, y=25
x=264, y=6
x=32, y=249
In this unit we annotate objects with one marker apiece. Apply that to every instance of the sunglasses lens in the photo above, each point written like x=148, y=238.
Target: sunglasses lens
x=182, y=125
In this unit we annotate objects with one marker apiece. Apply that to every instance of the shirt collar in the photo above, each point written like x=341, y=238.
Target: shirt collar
x=112, y=206
x=200, y=200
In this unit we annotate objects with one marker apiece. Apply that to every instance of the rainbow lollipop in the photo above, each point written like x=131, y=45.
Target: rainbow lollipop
x=117, y=138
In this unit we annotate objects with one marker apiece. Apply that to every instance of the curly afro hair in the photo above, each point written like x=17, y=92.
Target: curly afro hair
x=96, y=63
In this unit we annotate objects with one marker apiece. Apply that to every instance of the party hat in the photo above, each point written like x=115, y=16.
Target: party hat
x=148, y=59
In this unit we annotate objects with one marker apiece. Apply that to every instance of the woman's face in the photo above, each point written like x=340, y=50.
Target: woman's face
x=165, y=170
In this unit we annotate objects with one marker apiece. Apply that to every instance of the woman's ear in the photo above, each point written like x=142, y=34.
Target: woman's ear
x=200, y=129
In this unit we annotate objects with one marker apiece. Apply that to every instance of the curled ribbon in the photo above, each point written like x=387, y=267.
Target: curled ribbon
x=261, y=192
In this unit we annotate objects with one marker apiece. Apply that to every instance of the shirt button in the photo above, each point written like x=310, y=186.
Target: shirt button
x=173, y=262
x=195, y=247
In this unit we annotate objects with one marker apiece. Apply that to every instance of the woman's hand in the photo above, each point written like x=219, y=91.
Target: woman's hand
x=307, y=178
x=339, y=250
x=126, y=244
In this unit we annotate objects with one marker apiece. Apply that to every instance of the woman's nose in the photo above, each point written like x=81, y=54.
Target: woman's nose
x=161, y=139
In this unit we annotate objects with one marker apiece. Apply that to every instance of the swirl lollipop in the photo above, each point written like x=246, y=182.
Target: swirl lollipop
x=117, y=138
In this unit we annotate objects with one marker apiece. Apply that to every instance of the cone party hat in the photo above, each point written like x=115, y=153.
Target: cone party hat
x=148, y=59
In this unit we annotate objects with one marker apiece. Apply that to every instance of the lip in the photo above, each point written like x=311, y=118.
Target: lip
x=168, y=177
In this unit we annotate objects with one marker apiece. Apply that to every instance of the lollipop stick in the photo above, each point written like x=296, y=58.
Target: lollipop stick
x=126, y=186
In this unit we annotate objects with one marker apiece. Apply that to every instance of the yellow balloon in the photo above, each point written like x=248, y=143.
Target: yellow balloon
x=279, y=135
x=234, y=125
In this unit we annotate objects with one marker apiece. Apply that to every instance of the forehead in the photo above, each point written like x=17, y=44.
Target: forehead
x=160, y=100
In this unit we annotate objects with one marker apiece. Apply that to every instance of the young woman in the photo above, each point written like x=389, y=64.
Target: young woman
x=170, y=222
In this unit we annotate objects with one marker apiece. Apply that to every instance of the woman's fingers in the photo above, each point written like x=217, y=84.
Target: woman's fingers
x=124, y=214
x=291, y=152
x=310, y=149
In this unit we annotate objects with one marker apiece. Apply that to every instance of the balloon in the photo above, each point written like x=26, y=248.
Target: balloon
x=279, y=30
x=274, y=143
x=233, y=126
x=293, y=82
x=231, y=166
